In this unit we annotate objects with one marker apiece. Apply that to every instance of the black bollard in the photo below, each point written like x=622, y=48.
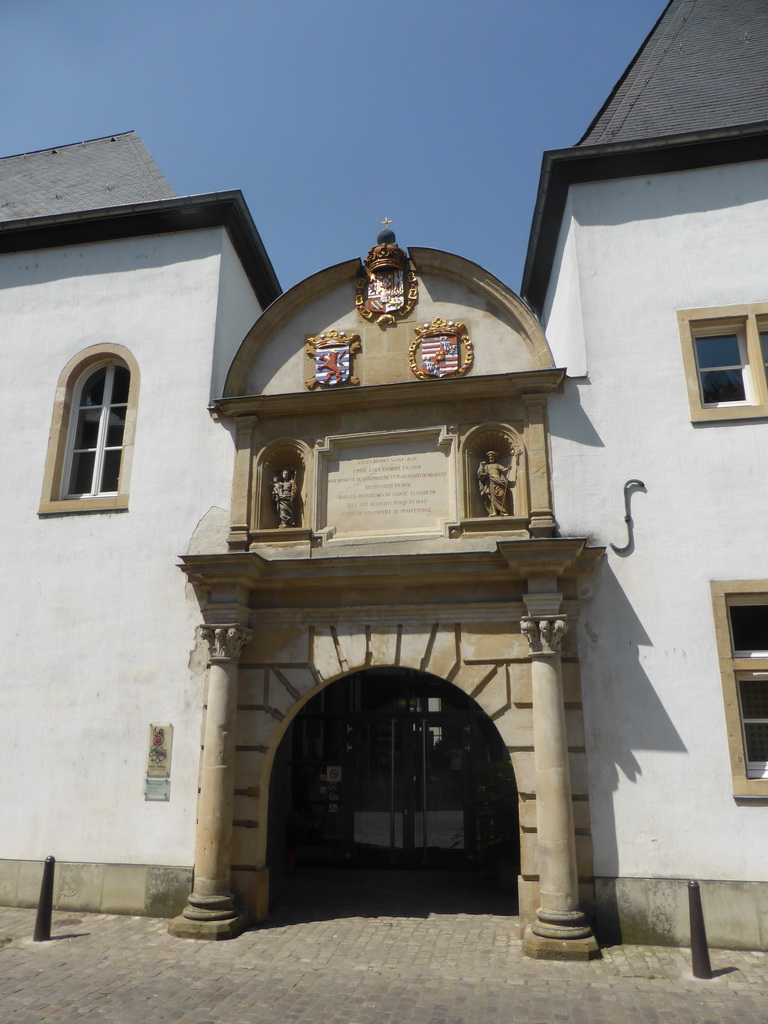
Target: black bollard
x=45, y=906
x=699, y=952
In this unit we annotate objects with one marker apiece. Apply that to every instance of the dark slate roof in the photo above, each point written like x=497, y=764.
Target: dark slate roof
x=703, y=66
x=114, y=171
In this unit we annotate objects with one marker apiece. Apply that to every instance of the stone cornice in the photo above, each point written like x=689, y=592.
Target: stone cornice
x=449, y=389
x=564, y=558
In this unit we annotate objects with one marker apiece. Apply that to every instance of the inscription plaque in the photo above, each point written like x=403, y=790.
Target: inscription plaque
x=157, y=789
x=387, y=485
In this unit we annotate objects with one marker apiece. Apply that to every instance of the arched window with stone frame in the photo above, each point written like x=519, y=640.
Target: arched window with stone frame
x=90, y=445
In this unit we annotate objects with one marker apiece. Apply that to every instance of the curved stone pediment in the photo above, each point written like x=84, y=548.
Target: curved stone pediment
x=505, y=335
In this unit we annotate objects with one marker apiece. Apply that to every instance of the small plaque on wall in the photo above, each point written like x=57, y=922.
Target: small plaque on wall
x=159, y=755
x=157, y=789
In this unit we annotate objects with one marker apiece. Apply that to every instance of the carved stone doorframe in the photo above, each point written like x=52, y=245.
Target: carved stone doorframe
x=490, y=621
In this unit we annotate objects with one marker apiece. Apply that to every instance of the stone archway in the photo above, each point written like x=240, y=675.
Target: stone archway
x=491, y=622
x=393, y=767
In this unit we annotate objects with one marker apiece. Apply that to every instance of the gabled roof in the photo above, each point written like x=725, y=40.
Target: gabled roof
x=111, y=188
x=703, y=66
x=695, y=95
x=114, y=171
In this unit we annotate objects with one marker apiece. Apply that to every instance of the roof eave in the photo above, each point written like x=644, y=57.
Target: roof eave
x=185, y=213
x=562, y=168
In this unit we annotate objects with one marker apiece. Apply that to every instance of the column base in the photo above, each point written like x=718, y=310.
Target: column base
x=208, y=917
x=214, y=931
x=546, y=947
x=561, y=924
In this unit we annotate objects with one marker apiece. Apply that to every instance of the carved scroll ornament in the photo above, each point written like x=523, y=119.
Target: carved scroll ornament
x=545, y=636
x=225, y=642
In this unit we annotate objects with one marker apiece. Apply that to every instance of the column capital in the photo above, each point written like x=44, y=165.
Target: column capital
x=225, y=642
x=545, y=635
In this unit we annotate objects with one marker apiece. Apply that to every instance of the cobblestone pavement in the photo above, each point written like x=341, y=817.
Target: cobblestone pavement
x=366, y=966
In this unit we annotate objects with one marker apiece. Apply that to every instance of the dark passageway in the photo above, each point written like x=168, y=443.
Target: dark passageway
x=320, y=894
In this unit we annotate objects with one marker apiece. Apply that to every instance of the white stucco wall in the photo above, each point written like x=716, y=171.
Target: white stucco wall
x=562, y=311
x=641, y=249
x=97, y=624
x=238, y=310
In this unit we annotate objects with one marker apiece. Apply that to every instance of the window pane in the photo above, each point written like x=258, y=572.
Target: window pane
x=749, y=627
x=764, y=345
x=722, y=386
x=720, y=351
x=754, y=698
x=115, y=427
x=87, y=432
x=120, y=385
x=81, y=478
x=757, y=741
x=93, y=389
x=110, y=473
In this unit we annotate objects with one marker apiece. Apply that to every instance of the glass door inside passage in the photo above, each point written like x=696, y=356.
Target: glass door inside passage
x=382, y=771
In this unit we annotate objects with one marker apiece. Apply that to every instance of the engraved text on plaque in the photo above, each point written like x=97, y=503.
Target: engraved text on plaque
x=386, y=486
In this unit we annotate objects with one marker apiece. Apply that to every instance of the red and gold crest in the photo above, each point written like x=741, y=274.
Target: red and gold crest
x=440, y=349
x=387, y=288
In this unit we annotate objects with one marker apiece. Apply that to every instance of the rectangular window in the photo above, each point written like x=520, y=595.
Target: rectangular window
x=749, y=629
x=741, y=629
x=725, y=353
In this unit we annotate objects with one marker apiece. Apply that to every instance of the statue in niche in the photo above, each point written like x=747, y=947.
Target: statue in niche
x=496, y=482
x=284, y=496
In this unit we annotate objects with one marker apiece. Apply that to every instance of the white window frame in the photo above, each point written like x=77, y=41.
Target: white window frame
x=737, y=331
x=101, y=447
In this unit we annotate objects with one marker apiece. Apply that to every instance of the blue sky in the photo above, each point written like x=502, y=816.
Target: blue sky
x=329, y=116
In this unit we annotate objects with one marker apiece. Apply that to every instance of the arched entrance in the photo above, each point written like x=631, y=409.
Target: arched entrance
x=392, y=767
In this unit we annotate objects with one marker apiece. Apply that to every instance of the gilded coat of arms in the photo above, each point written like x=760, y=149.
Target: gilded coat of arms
x=440, y=349
x=387, y=289
x=332, y=353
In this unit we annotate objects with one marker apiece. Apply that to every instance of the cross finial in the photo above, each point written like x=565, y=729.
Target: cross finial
x=386, y=222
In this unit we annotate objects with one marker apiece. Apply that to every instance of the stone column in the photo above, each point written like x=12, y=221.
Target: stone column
x=560, y=931
x=209, y=913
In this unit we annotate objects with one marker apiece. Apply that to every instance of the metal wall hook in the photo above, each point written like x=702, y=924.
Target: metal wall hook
x=628, y=487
